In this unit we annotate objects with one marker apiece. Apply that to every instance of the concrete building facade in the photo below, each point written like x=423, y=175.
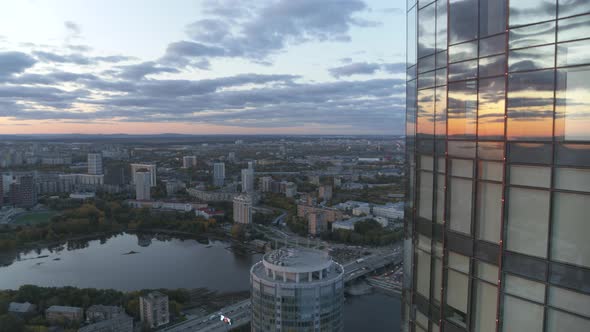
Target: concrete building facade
x=243, y=209
x=297, y=290
x=154, y=309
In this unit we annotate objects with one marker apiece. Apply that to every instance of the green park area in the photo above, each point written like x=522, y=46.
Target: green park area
x=37, y=217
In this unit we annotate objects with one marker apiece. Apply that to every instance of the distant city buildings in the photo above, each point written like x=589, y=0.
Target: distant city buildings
x=247, y=180
x=219, y=174
x=149, y=167
x=99, y=312
x=243, y=209
x=189, y=161
x=316, y=223
x=325, y=192
x=231, y=157
x=304, y=285
x=212, y=196
x=95, y=164
x=142, y=185
x=22, y=192
x=154, y=309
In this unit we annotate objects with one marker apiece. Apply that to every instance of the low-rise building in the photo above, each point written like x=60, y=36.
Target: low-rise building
x=100, y=312
x=21, y=309
x=58, y=314
x=119, y=323
x=390, y=211
x=331, y=215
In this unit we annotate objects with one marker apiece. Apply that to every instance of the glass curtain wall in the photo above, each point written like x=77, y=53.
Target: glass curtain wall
x=498, y=164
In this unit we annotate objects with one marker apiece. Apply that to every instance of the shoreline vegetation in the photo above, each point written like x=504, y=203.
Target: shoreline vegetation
x=193, y=300
x=100, y=218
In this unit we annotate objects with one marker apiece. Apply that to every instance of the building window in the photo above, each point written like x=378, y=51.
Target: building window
x=532, y=176
x=569, y=242
x=457, y=297
x=461, y=194
x=463, y=24
x=426, y=31
x=530, y=105
x=532, y=35
x=491, y=109
x=520, y=315
x=572, y=112
x=489, y=211
x=462, y=109
x=531, y=11
x=492, y=17
x=423, y=273
x=528, y=221
x=485, y=307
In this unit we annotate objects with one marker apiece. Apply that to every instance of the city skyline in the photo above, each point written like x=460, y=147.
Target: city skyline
x=320, y=67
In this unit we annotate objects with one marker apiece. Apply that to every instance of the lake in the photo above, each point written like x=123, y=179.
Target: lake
x=165, y=262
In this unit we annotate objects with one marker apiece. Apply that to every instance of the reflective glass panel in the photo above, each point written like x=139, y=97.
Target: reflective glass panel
x=491, y=108
x=463, y=70
x=440, y=111
x=425, y=125
x=460, y=205
x=573, y=53
x=492, y=45
x=465, y=149
x=492, y=17
x=532, y=35
x=531, y=11
x=573, y=28
x=532, y=58
x=441, y=77
x=426, y=80
x=425, y=188
x=528, y=221
x=575, y=179
x=489, y=211
x=412, y=37
x=570, y=229
x=490, y=150
x=441, y=25
x=558, y=321
x=573, y=7
x=464, y=51
x=520, y=315
x=530, y=105
x=486, y=297
x=490, y=170
x=572, y=118
x=423, y=273
x=492, y=66
x=426, y=64
x=426, y=30
x=532, y=176
x=457, y=295
x=462, y=20
x=462, y=106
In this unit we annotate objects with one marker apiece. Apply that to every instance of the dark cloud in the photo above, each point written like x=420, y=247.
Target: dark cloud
x=14, y=63
x=366, y=68
x=358, y=68
x=255, y=33
x=78, y=58
x=140, y=70
x=75, y=58
x=73, y=27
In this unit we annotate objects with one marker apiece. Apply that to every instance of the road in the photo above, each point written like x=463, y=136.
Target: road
x=239, y=314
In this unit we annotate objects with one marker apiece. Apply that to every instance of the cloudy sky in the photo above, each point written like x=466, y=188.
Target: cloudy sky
x=202, y=66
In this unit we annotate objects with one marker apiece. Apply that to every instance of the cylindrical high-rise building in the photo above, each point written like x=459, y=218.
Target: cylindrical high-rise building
x=297, y=289
x=498, y=151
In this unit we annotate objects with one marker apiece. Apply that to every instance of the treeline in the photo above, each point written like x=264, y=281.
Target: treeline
x=99, y=216
x=367, y=232
x=45, y=297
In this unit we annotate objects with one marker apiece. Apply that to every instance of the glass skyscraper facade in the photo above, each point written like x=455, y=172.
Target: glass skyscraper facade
x=497, y=226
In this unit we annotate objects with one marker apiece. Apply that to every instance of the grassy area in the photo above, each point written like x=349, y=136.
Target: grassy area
x=35, y=217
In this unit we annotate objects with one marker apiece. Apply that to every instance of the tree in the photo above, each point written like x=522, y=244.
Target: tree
x=11, y=323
